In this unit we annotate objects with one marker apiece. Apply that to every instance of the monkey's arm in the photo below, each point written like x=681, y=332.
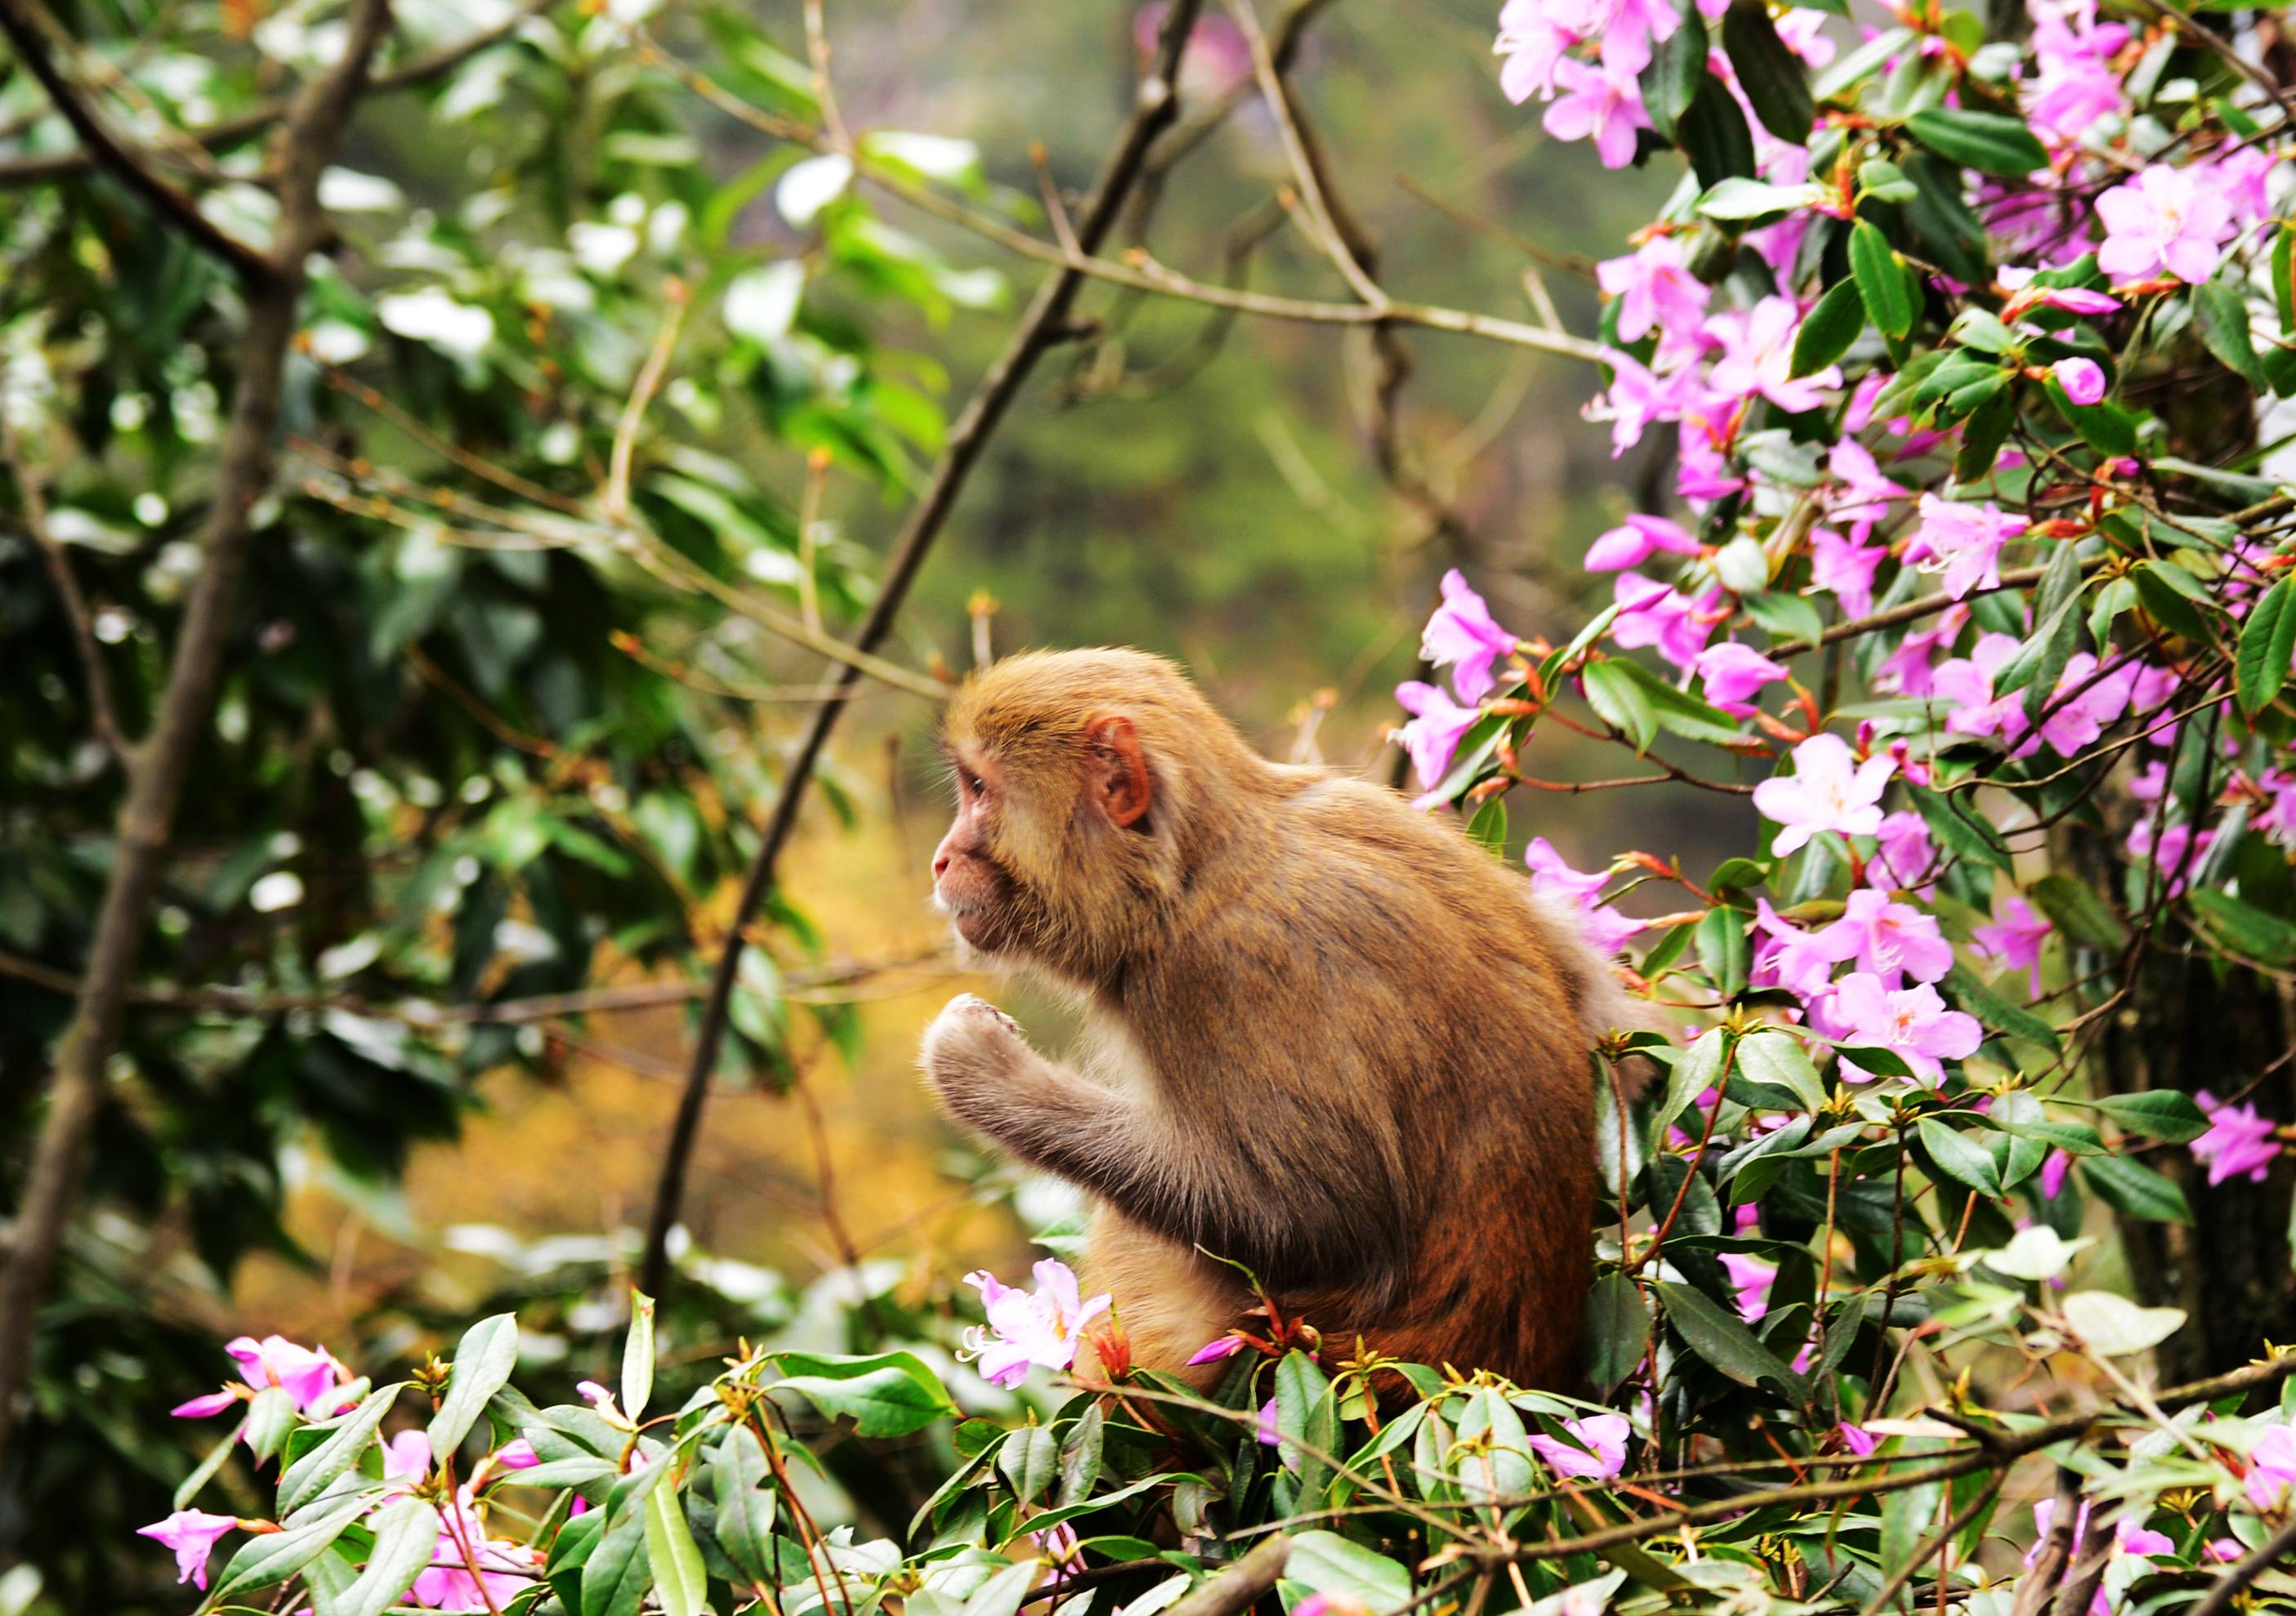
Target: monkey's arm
x=1293, y=1222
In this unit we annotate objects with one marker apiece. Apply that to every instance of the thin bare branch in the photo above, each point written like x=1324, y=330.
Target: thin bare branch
x=102, y=713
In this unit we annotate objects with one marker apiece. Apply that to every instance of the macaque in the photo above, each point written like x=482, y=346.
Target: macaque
x=1328, y=1037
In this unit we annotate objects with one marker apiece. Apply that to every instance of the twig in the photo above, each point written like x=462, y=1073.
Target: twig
x=31, y=30
x=1039, y=329
x=306, y=141
x=617, y=501
x=102, y=712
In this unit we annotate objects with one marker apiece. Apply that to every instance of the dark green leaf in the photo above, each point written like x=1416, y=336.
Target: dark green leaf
x=1616, y=1330
x=1717, y=1336
x=2245, y=930
x=2075, y=908
x=1777, y=1058
x=483, y=1361
x=1881, y=278
x=2158, y=1113
x=1988, y=142
x=2162, y=589
x=1723, y=951
x=2267, y=642
x=1621, y=701
x=319, y=1469
x=2134, y=1190
x=1713, y=133
x=1769, y=71
x=888, y=1394
x=2220, y=311
x=1831, y=326
x=1960, y=1158
x=1678, y=66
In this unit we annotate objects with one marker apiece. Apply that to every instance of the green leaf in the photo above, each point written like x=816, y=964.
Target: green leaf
x=1717, y=1336
x=2267, y=642
x=270, y=1417
x=1723, y=951
x=2220, y=311
x=1881, y=278
x=319, y=1469
x=1769, y=71
x=1831, y=326
x=1958, y=832
x=2158, y=1113
x=679, y=1583
x=1778, y=1059
x=1964, y=986
x=1678, y=66
x=1489, y=828
x=1029, y=1458
x=617, y=1574
x=637, y=1356
x=888, y=1394
x=1983, y=434
x=483, y=1361
x=1080, y=1455
x=275, y=1557
x=2106, y=427
x=1737, y=201
x=2245, y=930
x=1845, y=69
x=1677, y=712
x=1712, y=132
x=1621, y=701
x=2162, y=588
x=1324, y=1563
x=406, y=1533
x=1960, y=1158
x=1001, y=1594
x=1988, y=142
x=1699, y=1069
x=1615, y=1329
x=2134, y=1190
x=745, y=1503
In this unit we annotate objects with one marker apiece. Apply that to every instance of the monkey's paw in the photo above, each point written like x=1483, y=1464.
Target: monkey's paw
x=972, y=1050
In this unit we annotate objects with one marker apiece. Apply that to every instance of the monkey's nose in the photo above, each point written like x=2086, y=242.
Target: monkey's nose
x=940, y=864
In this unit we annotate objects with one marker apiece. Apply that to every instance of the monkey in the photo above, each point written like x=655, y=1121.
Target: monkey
x=1328, y=1036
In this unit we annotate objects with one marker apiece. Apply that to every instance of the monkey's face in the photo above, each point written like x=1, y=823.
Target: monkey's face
x=972, y=885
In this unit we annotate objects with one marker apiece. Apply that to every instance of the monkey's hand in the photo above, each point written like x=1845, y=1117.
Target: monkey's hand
x=975, y=1055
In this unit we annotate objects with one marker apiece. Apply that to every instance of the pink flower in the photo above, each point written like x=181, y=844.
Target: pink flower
x=1656, y=291
x=1828, y=790
x=1635, y=398
x=2073, y=83
x=1465, y=638
x=1270, y=1436
x=2175, y=852
x=1217, y=1348
x=2238, y=1141
x=1659, y=615
x=1605, y=102
x=1757, y=356
x=2164, y=219
x=1903, y=858
x=1624, y=31
x=1888, y=940
x=1750, y=1279
x=191, y=1533
x=1433, y=735
x=1866, y=494
x=1906, y=670
x=306, y=1375
x=1962, y=541
x=1733, y=673
x=1846, y=568
x=1857, y=1440
x=2271, y=1468
x=2054, y=1169
x=1912, y=1023
x=1580, y=891
x=1042, y=1328
x=1533, y=44
x=2130, y=1536
x=1601, y=1451
x=2014, y=938
x=2076, y=721
x=1636, y=541
x=1786, y=956
x=2083, y=380
x=406, y=1457
x=506, y=1568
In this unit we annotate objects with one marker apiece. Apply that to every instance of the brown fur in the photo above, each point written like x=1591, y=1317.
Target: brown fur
x=1331, y=1040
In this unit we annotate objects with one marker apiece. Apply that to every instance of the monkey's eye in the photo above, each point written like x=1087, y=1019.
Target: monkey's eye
x=973, y=786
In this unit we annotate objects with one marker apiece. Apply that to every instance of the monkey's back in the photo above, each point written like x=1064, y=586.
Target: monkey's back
x=1389, y=977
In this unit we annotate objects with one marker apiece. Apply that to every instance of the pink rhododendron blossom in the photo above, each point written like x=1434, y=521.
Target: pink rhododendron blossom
x=1657, y=293
x=2165, y=219
x=1845, y=568
x=2054, y=1167
x=193, y=1534
x=1041, y=1328
x=2238, y=1141
x=1891, y=941
x=1219, y=1347
x=2013, y=938
x=1636, y=396
x=2083, y=380
x=1659, y=615
x=1863, y=495
x=1906, y=670
x=1828, y=790
x=1758, y=355
x=1533, y=44
x=1465, y=638
x=1601, y=1451
x=1433, y=732
x=1733, y=673
x=1962, y=541
x=2271, y=1468
x=1578, y=891
x=406, y=1457
x=1857, y=1440
x=1750, y=1279
x=1903, y=858
x=1912, y=1023
x=1603, y=104
x=306, y=1375
x=2276, y=822
x=2073, y=83
x=1786, y=956
x=506, y=1568
x=2174, y=854
x=1635, y=541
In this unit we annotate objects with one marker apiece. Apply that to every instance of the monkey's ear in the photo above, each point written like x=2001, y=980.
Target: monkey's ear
x=1117, y=777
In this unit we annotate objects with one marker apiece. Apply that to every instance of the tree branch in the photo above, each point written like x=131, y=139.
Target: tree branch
x=308, y=139
x=103, y=714
x=1239, y=1587
x=1153, y=110
x=31, y=30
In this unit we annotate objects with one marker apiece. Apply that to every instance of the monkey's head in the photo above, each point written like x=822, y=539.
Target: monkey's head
x=1082, y=783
